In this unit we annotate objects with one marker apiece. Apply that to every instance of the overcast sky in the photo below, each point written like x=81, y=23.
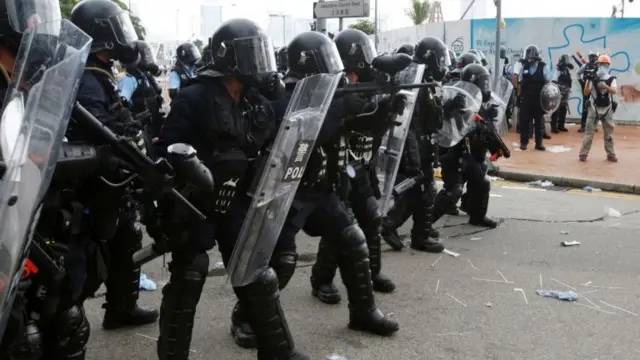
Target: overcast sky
x=161, y=16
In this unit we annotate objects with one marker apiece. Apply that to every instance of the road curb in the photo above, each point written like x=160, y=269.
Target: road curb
x=569, y=181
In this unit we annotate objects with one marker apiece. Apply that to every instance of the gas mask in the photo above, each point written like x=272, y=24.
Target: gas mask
x=126, y=55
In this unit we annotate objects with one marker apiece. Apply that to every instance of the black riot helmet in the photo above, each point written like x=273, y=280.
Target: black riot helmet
x=16, y=16
x=188, y=54
x=480, y=54
x=593, y=57
x=432, y=52
x=241, y=48
x=406, y=49
x=454, y=59
x=478, y=75
x=468, y=58
x=357, y=52
x=207, y=58
x=312, y=53
x=147, y=58
x=109, y=26
x=532, y=53
x=281, y=58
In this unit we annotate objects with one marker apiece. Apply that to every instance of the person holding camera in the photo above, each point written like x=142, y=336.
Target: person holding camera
x=601, y=87
x=532, y=77
x=587, y=71
x=563, y=80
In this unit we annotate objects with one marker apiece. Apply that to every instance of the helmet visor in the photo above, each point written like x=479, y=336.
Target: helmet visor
x=122, y=28
x=367, y=47
x=147, y=56
x=27, y=14
x=441, y=55
x=254, y=55
x=328, y=59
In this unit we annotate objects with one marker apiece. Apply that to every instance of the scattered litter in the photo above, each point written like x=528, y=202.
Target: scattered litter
x=612, y=212
x=523, y=188
x=488, y=305
x=570, y=243
x=435, y=262
x=618, y=308
x=589, y=301
x=146, y=283
x=495, y=178
x=523, y=295
x=541, y=183
x=613, y=225
x=456, y=300
x=473, y=266
x=540, y=281
x=587, y=283
x=563, y=284
x=491, y=280
x=453, y=333
x=556, y=149
x=475, y=238
x=560, y=295
x=502, y=276
x=155, y=339
x=605, y=287
x=564, y=232
x=596, y=309
x=495, y=195
x=589, y=292
x=591, y=189
x=449, y=252
x=437, y=285
x=336, y=357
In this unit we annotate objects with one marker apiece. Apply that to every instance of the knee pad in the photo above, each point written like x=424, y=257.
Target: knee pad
x=373, y=214
x=354, y=242
x=284, y=264
x=265, y=286
x=72, y=331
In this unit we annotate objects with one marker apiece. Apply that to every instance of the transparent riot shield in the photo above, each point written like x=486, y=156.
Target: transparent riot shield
x=500, y=95
x=281, y=176
x=36, y=112
x=550, y=98
x=390, y=151
x=460, y=101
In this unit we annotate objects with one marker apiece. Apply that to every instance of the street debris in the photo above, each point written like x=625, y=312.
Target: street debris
x=488, y=305
x=495, y=195
x=336, y=357
x=564, y=232
x=437, y=285
x=563, y=284
x=495, y=178
x=456, y=300
x=570, y=243
x=146, y=283
x=612, y=212
x=449, y=252
x=490, y=280
x=540, y=281
x=453, y=333
x=473, y=266
x=589, y=301
x=156, y=339
x=618, y=308
x=435, y=262
x=594, y=308
x=523, y=295
x=475, y=238
x=503, y=278
x=591, y=189
x=556, y=149
x=540, y=183
x=560, y=295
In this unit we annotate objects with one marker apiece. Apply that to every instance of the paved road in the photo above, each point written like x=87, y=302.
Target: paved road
x=445, y=312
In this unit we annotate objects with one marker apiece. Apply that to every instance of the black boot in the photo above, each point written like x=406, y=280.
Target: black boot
x=479, y=204
x=323, y=272
x=356, y=275
x=267, y=318
x=241, y=331
x=396, y=217
x=123, y=283
x=422, y=224
x=391, y=236
x=180, y=298
x=381, y=282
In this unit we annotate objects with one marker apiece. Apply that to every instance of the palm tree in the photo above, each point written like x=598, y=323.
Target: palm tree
x=419, y=11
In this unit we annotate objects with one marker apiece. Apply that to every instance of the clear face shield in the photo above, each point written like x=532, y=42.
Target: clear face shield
x=31, y=14
x=327, y=59
x=254, y=55
x=122, y=28
x=367, y=48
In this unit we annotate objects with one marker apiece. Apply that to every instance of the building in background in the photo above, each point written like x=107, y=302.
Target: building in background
x=210, y=19
x=283, y=28
x=481, y=9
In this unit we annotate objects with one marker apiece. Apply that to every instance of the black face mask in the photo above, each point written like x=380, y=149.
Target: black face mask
x=126, y=55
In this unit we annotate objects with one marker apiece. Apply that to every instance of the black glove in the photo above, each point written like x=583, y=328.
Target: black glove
x=398, y=104
x=492, y=112
x=456, y=104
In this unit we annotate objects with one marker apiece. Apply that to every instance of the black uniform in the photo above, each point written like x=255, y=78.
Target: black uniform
x=530, y=87
x=187, y=56
x=589, y=68
x=466, y=162
x=564, y=82
x=419, y=156
x=317, y=209
x=228, y=134
x=146, y=100
x=112, y=211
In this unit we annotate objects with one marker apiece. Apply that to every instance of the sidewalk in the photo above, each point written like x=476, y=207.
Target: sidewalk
x=564, y=168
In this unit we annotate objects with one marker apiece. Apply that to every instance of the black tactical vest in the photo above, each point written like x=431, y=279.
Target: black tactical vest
x=182, y=73
x=144, y=97
x=532, y=83
x=564, y=78
x=600, y=99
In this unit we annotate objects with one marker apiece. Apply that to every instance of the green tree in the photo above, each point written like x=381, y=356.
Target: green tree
x=199, y=44
x=418, y=12
x=67, y=5
x=365, y=25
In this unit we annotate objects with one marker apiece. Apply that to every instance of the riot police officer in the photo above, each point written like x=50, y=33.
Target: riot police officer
x=205, y=114
x=420, y=155
x=364, y=185
x=533, y=75
x=187, y=55
x=113, y=39
x=563, y=79
x=405, y=49
x=139, y=88
x=282, y=60
x=466, y=162
x=464, y=60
